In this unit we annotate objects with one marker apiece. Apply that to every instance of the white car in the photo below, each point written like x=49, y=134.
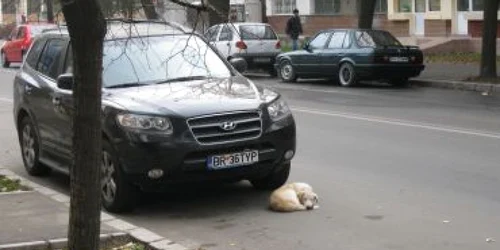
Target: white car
x=257, y=43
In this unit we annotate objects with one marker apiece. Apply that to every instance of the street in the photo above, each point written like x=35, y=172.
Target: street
x=411, y=168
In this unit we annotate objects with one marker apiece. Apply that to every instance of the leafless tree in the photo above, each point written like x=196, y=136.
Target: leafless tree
x=365, y=14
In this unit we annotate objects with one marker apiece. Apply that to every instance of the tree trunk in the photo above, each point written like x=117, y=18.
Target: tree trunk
x=366, y=10
x=50, y=11
x=489, y=47
x=223, y=7
x=149, y=9
x=87, y=29
x=264, y=10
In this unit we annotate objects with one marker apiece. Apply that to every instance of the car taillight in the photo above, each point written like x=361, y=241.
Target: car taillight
x=278, y=45
x=241, y=45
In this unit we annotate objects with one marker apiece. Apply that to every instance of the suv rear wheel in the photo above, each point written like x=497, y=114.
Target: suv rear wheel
x=273, y=180
x=287, y=72
x=28, y=140
x=117, y=194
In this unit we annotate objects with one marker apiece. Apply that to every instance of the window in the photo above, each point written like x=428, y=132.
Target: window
x=375, y=38
x=34, y=52
x=337, y=40
x=9, y=7
x=283, y=6
x=381, y=6
x=347, y=41
x=51, y=56
x=435, y=5
x=257, y=32
x=211, y=33
x=420, y=5
x=319, y=41
x=68, y=64
x=404, y=5
x=477, y=5
x=131, y=60
x=463, y=5
x=226, y=33
x=326, y=6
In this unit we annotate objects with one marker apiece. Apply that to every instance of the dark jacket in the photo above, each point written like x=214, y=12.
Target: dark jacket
x=294, y=27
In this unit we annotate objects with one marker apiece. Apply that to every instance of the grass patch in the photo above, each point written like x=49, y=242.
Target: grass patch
x=8, y=185
x=458, y=58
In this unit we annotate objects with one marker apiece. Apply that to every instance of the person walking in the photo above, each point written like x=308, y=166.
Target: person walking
x=294, y=29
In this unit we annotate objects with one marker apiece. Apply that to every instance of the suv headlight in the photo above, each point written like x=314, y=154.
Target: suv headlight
x=278, y=109
x=146, y=123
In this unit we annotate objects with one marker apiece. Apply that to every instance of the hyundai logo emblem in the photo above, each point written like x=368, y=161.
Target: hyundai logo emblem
x=227, y=126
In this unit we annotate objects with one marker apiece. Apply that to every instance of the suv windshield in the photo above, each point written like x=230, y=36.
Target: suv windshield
x=373, y=38
x=149, y=60
x=257, y=32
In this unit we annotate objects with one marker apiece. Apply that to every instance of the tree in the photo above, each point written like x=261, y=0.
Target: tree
x=366, y=10
x=149, y=9
x=489, y=49
x=87, y=28
x=50, y=10
x=219, y=11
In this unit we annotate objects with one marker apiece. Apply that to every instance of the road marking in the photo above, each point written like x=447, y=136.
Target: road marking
x=6, y=100
x=397, y=122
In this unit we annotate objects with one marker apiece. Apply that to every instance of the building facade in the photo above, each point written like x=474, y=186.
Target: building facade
x=403, y=18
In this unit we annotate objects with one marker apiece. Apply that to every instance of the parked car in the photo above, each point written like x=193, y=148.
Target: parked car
x=351, y=55
x=18, y=42
x=257, y=43
x=174, y=111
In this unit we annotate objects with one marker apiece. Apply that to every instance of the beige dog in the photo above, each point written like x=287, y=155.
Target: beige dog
x=293, y=197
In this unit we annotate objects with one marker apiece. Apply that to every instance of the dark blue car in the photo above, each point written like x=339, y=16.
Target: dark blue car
x=351, y=55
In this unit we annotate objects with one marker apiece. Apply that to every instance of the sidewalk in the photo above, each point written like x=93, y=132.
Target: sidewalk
x=38, y=219
x=453, y=76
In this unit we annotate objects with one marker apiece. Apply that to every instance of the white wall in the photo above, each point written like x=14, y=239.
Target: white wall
x=306, y=7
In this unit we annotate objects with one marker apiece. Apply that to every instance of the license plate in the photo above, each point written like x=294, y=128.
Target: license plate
x=262, y=59
x=232, y=160
x=398, y=59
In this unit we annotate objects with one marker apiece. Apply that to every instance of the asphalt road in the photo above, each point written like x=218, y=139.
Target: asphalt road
x=415, y=168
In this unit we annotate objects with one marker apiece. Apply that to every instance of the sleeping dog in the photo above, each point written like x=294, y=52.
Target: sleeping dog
x=293, y=197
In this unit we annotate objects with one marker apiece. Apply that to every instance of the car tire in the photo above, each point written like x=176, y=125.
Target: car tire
x=347, y=75
x=30, y=145
x=399, y=82
x=273, y=180
x=5, y=61
x=117, y=195
x=287, y=72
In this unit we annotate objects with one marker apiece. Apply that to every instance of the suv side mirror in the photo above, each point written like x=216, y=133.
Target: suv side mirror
x=65, y=81
x=239, y=64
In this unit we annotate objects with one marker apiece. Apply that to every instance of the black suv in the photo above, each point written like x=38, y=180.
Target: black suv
x=174, y=111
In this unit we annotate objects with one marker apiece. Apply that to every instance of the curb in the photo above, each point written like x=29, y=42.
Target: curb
x=139, y=234
x=484, y=88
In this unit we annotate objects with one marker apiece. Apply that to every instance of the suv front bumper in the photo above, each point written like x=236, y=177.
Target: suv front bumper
x=186, y=161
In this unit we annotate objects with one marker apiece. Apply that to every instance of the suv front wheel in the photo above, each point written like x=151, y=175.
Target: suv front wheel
x=117, y=194
x=273, y=180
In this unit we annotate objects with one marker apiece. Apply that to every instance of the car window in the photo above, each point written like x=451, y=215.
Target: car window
x=375, y=38
x=14, y=33
x=51, y=57
x=337, y=40
x=211, y=33
x=38, y=29
x=257, y=32
x=68, y=64
x=319, y=41
x=21, y=33
x=347, y=41
x=34, y=52
x=226, y=34
x=161, y=58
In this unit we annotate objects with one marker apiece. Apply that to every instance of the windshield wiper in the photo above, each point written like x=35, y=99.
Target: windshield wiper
x=182, y=79
x=126, y=85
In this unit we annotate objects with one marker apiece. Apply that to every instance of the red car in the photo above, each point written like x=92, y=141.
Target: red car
x=19, y=41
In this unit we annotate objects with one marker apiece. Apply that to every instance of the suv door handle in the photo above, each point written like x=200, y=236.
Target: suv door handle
x=56, y=101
